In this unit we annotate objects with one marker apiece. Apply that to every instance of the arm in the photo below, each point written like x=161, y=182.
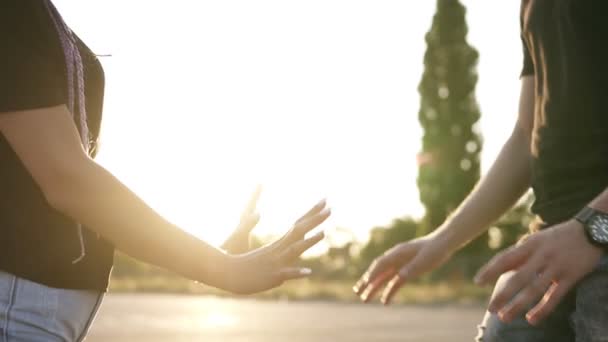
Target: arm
x=545, y=266
x=507, y=180
x=47, y=143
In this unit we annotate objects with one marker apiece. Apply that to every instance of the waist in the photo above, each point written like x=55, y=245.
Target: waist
x=556, y=203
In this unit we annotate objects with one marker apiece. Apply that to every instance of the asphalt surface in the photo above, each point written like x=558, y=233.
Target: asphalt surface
x=155, y=318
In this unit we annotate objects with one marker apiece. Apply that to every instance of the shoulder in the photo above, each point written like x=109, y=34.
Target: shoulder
x=525, y=6
x=524, y=11
x=16, y=13
x=31, y=64
x=24, y=21
x=27, y=29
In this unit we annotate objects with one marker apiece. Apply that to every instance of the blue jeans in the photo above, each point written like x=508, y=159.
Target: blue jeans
x=30, y=312
x=582, y=316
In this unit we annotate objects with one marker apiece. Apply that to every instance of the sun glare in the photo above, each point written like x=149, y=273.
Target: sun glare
x=205, y=100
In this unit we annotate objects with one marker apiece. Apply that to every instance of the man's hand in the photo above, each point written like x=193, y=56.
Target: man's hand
x=240, y=240
x=546, y=265
x=400, y=264
x=271, y=265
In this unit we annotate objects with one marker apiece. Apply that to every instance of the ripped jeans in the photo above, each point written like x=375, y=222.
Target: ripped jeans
x=582, y=316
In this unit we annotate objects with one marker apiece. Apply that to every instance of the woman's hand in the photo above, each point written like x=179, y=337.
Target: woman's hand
x=271, y=265
x=239, y=241
x=399, y=264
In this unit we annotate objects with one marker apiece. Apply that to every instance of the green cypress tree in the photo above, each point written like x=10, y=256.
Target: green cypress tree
x=449, y=161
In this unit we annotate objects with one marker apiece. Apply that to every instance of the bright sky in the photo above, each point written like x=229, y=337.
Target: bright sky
x=311, y=99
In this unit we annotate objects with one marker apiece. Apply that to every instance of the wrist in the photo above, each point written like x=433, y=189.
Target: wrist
x=581, y=233
x=446, y=238
x=594, y=225
x=216, y=269
x=226, y=271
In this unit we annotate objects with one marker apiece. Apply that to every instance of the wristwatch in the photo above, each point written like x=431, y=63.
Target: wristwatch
x=596, y=226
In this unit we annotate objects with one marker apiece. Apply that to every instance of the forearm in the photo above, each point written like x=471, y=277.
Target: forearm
x=507, y=180
x=95, y=198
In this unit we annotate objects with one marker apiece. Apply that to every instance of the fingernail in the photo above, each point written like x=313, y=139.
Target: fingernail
x=477, y=280
x=355, y=289
x=532, y=315
x=305, y=271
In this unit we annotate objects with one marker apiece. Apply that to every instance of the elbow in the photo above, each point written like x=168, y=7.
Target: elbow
x=522, y=134
x=64, y=186
x=521, y=140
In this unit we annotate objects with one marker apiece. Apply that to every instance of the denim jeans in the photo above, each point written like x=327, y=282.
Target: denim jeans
x=31, y=312
x=582, y=316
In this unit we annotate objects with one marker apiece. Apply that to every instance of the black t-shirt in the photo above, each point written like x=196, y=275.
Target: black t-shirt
x=37, y=242
x=565, y=48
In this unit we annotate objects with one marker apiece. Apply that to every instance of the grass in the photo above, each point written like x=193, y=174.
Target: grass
x=312, y=289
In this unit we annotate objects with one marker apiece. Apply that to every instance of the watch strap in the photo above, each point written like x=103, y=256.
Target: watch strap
x=585, y=214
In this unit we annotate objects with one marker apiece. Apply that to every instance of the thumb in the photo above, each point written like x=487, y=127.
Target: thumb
x=248, y=222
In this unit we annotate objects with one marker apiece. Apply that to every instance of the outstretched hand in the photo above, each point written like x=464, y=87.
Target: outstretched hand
x=273, y=264
x=398, y=265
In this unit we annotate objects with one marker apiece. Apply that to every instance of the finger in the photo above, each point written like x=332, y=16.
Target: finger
x=382, y=264
x=525, y=275
x=376, y=284
x=411, y=270
x=249, y=217
x=503, y=262
x=310, y=223
x=291, y=273
x=535, y=290
x=238, y=242
x=378, y=266
x=314, y=210
x=253, y=200
x=248, y=223
x=294, y=251
x=358, y=287
x=547, y=304
x=299, y=230
x=392, y=288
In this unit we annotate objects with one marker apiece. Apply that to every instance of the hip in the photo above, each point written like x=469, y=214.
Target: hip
x=33, y=312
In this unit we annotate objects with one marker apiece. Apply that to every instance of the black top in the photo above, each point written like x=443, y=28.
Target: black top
x=565, y=47
x=37, y=242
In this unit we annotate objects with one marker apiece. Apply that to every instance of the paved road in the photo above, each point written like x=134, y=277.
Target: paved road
x=155, y=318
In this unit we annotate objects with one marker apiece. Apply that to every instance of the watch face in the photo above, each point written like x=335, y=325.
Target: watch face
x=598, y=228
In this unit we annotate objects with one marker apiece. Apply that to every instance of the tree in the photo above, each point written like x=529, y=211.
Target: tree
x=449, y=161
